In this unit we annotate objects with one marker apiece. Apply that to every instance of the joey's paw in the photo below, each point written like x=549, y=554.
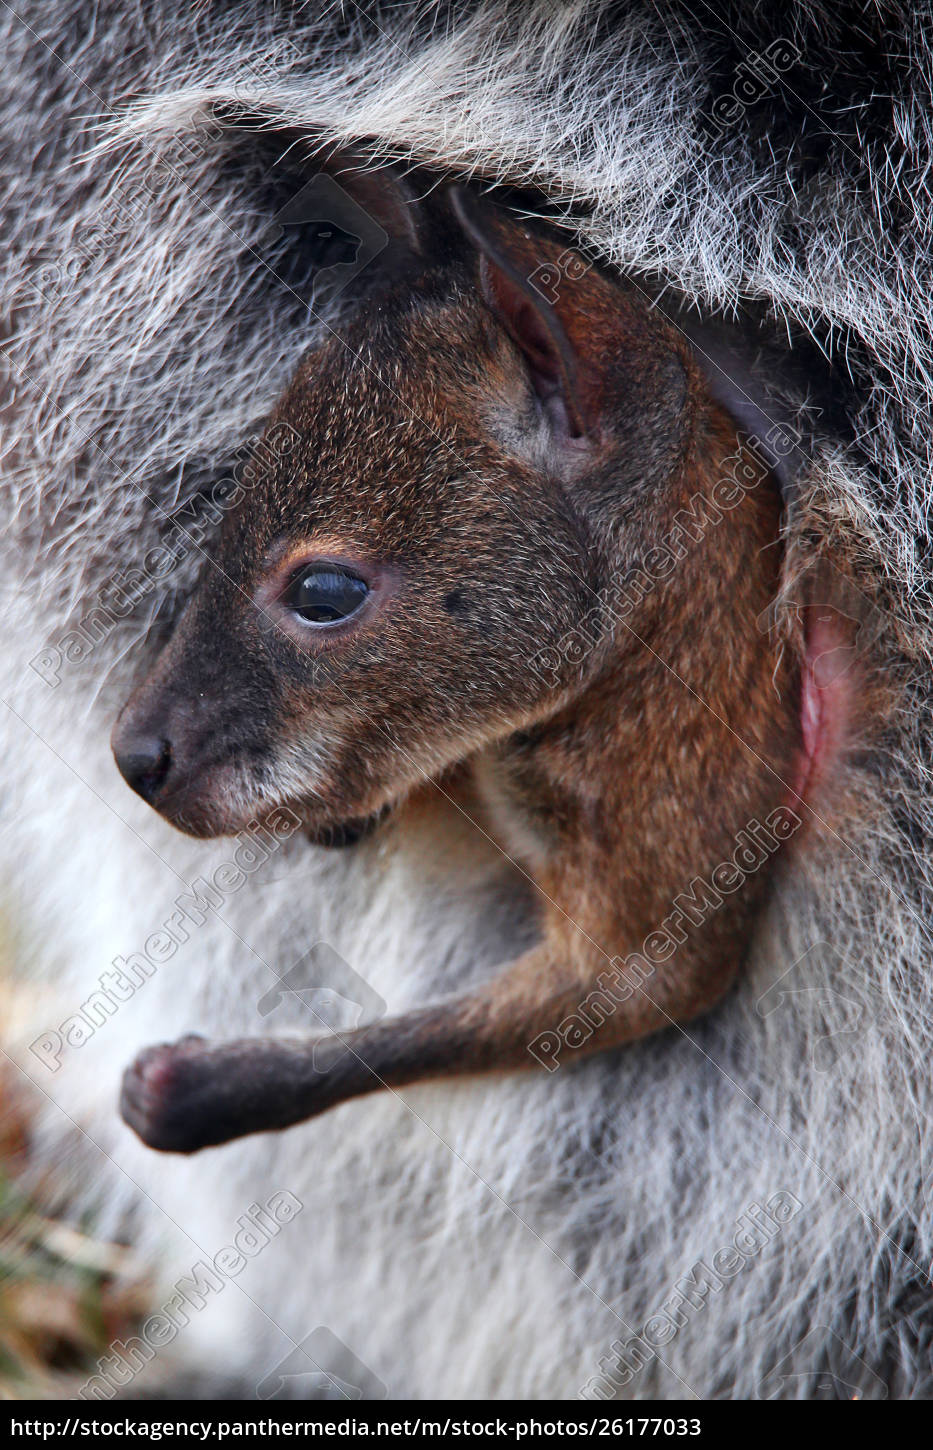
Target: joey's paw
x=166, y=1095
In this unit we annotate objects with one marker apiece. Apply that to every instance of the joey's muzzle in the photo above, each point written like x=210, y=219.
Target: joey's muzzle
x=173, y=749
x=154, y=752
x=144, y=761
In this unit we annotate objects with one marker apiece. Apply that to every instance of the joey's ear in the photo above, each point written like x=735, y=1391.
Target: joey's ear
x=349, y=221
x=511, y=273
x=610, y=373
x=595, y=355
x=383, y=193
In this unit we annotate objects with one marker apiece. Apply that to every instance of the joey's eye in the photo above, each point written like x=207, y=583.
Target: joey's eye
x=325, y=593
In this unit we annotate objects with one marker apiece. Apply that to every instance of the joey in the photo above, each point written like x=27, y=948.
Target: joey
x=485, y=474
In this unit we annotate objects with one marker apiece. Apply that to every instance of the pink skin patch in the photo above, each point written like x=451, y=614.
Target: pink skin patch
x=825, y=695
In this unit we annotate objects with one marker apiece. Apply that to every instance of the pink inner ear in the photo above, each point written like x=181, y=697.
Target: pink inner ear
x=535, y=342
x=537, y=331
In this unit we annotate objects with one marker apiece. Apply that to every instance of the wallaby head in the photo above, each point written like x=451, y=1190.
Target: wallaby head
x=477, y=547
x=447, y=489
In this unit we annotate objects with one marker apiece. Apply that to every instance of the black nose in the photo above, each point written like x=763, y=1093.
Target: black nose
x=144, y=762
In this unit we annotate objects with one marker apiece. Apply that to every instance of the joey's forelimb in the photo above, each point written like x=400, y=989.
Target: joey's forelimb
x=193, y=1094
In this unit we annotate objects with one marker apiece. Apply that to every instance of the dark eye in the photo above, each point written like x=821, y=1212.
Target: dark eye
x=324, y=594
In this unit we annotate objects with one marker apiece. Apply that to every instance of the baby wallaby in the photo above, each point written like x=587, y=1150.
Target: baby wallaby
x=516, y=534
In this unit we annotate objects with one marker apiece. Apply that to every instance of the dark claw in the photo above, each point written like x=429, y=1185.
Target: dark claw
x=182, y=1096
x=163, y=1095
